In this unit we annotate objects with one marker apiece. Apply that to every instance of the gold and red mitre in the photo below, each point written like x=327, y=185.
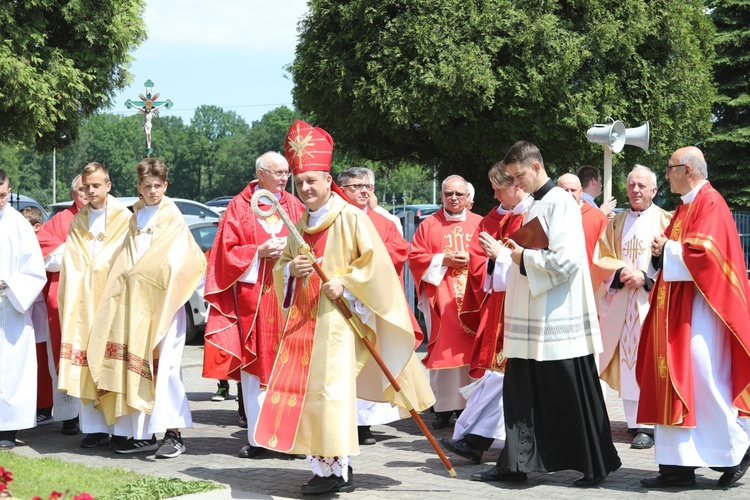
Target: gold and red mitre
x=308, y=148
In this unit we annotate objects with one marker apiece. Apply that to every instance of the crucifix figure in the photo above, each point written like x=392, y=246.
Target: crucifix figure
x=148, y=106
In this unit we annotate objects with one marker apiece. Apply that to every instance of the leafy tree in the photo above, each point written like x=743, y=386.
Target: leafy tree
x=454, y=83
x=728, y=149
x=60, y=61
x=209, y=126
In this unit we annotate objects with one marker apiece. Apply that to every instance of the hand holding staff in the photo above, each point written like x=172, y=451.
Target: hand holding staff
x=275, y=207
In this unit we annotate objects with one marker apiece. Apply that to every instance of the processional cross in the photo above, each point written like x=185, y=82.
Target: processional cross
x=148, y=106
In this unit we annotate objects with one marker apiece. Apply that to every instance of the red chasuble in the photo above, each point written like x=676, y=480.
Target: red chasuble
x=450, y=343
x=713, y=255
x=53, y=233
x=482, y=312
x=244, y=321
x=398, y=249
x=594, y=223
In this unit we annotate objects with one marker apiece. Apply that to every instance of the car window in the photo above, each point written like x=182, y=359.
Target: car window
x=194, y=209
x=205, y=236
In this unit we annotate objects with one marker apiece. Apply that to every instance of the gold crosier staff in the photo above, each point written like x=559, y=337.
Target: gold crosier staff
x=276, y=207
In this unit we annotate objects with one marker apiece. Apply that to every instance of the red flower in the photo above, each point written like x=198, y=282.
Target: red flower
x=6, y=476
x=55, y=494
x=83, y=496
x=3, y=487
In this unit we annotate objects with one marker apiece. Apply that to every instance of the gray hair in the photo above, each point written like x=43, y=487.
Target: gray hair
x=470, y=190
x=451, y=177
x=267, y=159
x=694, y=157
x=74, y=182
x=355, y=173
x=637, y=167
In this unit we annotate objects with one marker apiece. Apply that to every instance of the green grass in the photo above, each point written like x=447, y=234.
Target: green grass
x=40, y=476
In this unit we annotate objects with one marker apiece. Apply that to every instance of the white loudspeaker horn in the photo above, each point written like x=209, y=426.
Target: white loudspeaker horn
x=638, y=136
x=613, y=135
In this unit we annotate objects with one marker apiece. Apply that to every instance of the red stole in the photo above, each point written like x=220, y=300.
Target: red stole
x=53, y=233
x=482, y=312
x=713, y=255
x=450, y=344
x=244, y=320
x=280, y=413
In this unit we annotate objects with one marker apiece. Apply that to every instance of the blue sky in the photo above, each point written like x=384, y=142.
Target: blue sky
x=228, y=53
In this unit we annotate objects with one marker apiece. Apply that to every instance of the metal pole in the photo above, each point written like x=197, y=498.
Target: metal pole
x=607, y=173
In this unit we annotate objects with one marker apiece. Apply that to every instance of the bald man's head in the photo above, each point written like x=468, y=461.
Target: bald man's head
x=572, y=184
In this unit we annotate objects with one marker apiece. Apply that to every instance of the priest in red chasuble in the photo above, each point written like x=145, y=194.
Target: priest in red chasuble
x=693, y=366
x=245, y=320
x=356, y=184
x=439, y=260
x=594, y=220
x=322, y=367
x=482, y=424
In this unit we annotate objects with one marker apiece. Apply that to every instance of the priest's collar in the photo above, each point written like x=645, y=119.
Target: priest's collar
x=316, y=216
x=461, y=216
x=542, y=191
x=276, y=195
x=688, y=198
x=638, y=213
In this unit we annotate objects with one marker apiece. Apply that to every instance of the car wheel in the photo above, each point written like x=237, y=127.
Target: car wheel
x=191, y=331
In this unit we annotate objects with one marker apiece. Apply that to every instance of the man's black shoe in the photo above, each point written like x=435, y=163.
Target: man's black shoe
x=250, y=451
x=331, y=484
x=495, y=474
x=668, y=481
x=732, y=477
x=70, y=427
x=94, y=439
x=589, y=482
x=442, y=419
x=365, y=435
x=642, y=441
x=464, y=449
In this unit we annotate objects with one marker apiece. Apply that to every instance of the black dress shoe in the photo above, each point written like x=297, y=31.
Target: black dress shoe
x=70, y=427
x=589, y=482
x=464, y=449
x=364, y=435
x=331, y=484
x=668, y=481
x=642, y=441
x=732, y=477
x=495, y=474
x=250, y=451
x=442, y=419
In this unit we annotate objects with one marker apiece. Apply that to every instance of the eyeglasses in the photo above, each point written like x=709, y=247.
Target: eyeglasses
x=358, y=187
x=451, y=194
x=279, y=175
x=670, y=167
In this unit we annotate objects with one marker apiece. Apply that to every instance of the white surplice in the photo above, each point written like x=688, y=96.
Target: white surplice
x=22, y=269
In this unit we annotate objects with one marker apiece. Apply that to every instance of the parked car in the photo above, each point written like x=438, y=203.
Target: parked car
x=196, y=308
x=419, y=210
x=18, y=201
x=219, y=204
x=187, y=207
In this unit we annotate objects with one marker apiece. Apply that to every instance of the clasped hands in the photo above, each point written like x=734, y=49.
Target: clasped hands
x=301, y=267
x=272, y=248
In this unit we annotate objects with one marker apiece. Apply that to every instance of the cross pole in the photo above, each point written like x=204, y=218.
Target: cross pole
x=148, y=106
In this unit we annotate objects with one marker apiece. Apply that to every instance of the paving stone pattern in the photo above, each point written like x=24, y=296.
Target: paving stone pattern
x=401, y=465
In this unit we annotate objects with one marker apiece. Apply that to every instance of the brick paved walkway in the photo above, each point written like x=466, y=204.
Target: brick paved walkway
x=401, y=465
